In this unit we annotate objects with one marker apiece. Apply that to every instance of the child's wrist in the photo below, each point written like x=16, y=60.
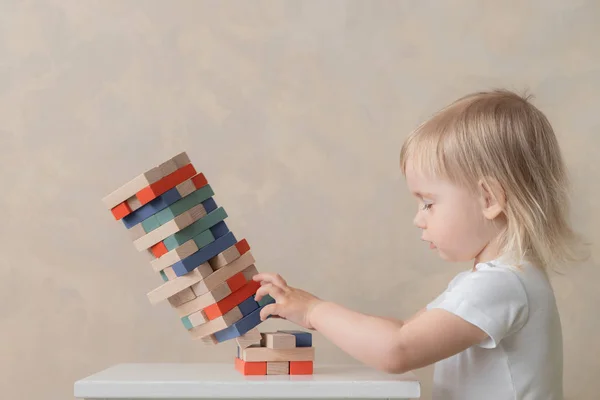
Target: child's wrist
x=311, y=312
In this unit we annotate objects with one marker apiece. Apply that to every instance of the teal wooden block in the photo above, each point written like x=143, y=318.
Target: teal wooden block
x=164, y=276
x=181, y=206
x=266, y=300
x=150, y=224
x=204, y=239
x=186, y=322
x=195, y=229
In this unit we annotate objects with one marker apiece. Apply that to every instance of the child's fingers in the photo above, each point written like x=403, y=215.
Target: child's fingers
x=268, y=277
x=270, y=309
x=274, y=291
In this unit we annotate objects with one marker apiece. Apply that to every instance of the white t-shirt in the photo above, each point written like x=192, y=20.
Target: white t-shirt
x=522, y=359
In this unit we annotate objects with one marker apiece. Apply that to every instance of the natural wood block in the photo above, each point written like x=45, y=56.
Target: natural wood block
x=177, y=254
x=168, y=167
x=209, y=340
x=132, y=187
x=216, y=325
x=250, y=368
x=252, y=337
x=278, y=368
x=203, y=301
x=301, y=367
x=191, y=185
x=229, y=255
x=174, y=286
x=181, y=160
x=265, y=354
x=170, y=274
x=220, y=276
x=133, y=203
x=137, y=231
x=182, y=297
x=195, y=319
x=278, y=340
x=164, y=231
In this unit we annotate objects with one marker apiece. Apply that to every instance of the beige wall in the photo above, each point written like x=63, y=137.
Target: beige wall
x=295, y=111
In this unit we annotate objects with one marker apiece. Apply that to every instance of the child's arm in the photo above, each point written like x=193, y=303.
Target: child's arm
x=385, y=344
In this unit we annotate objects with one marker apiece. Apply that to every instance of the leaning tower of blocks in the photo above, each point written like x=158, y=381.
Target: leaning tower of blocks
x=171, y=214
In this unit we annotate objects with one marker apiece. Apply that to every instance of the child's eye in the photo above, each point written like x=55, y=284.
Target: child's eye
x=426, y=206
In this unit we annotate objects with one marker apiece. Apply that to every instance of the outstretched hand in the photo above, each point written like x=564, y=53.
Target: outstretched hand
x=292, y=304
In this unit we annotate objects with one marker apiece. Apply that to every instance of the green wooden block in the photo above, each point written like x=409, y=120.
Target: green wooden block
x=164, y=276
x=150, y=223
x=266, y=300
x=186, y=322
x=204, y=238
x=195, y=229
x=180, y=206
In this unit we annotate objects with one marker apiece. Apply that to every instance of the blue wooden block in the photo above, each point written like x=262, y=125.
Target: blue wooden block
x=209, y=205
x=303, y=339
x=219, y=230
x=147, y=210
x=204, y=254
x=248, y=305
x=240, y=327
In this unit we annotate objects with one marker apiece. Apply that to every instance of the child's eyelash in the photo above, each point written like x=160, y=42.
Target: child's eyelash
x=426, y=206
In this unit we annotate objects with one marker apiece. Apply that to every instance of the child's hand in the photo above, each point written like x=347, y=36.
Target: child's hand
x=290, y=303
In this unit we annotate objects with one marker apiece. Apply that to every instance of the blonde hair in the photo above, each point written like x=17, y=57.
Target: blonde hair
x=499, y=135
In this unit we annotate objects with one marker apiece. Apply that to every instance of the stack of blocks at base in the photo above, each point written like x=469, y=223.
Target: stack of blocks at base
x=172, y=216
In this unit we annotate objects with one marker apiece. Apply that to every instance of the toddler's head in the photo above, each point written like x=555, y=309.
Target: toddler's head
x=488, y=173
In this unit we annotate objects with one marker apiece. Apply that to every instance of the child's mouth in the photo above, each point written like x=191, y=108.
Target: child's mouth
x=432, y=246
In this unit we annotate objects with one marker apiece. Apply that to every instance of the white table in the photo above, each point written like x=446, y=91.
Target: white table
x=220, y=381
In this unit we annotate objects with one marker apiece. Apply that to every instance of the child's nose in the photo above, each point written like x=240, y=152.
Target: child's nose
x=419, y=221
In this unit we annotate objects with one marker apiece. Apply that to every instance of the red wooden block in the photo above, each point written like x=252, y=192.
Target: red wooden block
x=301, y=367
x=151, y=192
x=121, y=210
x=236, y=282
x=199, y=180
x=251, y=367
x=242, y=246
x=228, y=303
x=159, y=249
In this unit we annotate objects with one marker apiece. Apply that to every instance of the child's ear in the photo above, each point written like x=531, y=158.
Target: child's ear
x=493, y=198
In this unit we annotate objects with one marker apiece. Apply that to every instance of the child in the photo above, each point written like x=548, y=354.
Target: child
x=491, y=187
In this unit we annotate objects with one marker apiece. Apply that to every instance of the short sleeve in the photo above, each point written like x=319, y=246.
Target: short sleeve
x=492, y=299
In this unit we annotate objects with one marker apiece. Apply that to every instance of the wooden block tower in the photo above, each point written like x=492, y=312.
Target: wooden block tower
x=171, y=215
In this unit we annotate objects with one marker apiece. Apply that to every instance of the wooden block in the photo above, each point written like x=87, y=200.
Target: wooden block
x=250, y=368
x=248, y=306
x=234, y=299
x=229, y=255
x=252, y=337
x=266, y=300
x=120, y=211
x=181, y=160
x=240, y=327
x=158, y=250
x=137, y=231
x=216, y=325
x=278, y=340
x=170, y=274
x=301, y=367
x=195, y=319
x=168, y=167
x=303, y=339
x=204, y=254
x=201, y=302
x=174, y=286
x=182, y=297
x=177, y=254
x=221, y=276
x=132, y=187
x=154, y=222
x=266, y=354
x=164, y=200
x=133, y=203
x=164, y=231
x=159, y=187
x=178, y=238
x=278, y=368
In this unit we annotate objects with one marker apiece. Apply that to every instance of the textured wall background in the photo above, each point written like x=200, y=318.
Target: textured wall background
x=295, y=111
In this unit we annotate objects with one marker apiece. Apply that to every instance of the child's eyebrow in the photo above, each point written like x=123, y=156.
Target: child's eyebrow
x=424, y=195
